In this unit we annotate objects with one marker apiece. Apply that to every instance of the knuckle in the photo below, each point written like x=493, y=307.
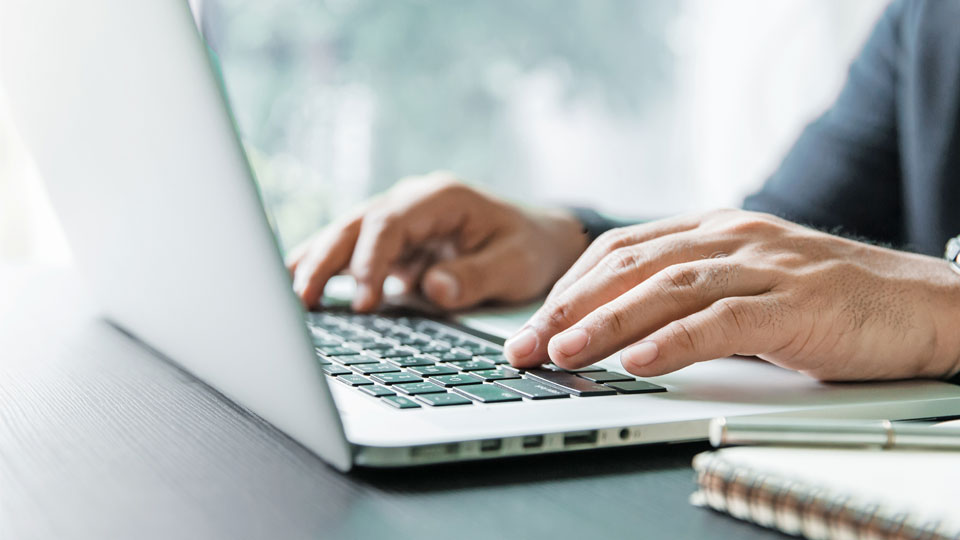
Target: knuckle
x=682, y=276
x=612, y=320
x=621, y=261
x=560, y=315
x=719, y=213
x=613, y=239
x=732, y=314
x=684, y=335
x=750, y=224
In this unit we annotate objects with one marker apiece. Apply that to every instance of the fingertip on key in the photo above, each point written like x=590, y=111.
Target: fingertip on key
x=569, y=343
x=521, y=345
x=363, y=299
x=640, y=355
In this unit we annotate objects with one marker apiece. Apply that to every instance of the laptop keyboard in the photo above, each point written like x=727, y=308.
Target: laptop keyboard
x=412, y=362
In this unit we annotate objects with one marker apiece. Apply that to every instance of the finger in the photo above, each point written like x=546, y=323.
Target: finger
x=618, y=272
x=733, y=325
x=410, y=272
x=671, y=294
x=618, y=238
x=295, y=255
x=492, y=273
x=403, y=222
x=326, y=256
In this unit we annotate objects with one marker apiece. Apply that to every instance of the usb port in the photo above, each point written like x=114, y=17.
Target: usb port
x=580, y=437
x=533, y=441
x=490, y=445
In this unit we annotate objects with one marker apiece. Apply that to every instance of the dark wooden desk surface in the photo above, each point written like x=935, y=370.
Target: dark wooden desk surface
x=100, y=439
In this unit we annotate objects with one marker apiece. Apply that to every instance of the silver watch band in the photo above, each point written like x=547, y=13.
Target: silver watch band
x=952, y=253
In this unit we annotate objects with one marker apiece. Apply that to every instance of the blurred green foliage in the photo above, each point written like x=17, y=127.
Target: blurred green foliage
x=440, y=74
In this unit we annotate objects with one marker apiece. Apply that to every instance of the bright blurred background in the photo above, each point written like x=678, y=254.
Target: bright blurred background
x=636, y=107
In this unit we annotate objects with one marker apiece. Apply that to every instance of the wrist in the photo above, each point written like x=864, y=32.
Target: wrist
x=567, y=236
x=946, y=293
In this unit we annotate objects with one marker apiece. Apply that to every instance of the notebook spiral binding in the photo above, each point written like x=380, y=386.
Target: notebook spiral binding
x=800, y=509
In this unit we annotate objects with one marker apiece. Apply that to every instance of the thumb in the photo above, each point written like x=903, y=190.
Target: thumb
x=466, y=280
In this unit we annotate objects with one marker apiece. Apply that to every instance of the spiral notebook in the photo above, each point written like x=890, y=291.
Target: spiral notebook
x=835, y=493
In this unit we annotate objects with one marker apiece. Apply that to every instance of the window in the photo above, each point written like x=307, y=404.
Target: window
x=642, y=108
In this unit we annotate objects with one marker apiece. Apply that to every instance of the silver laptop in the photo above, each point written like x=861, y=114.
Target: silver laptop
x=128, y=125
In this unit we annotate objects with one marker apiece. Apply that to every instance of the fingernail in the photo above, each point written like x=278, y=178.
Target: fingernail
x=572, y=341
x=441, y=285
x=640, y=354
x=522, y=344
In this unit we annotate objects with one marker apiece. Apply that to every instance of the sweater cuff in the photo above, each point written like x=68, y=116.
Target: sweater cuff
x=595, y=224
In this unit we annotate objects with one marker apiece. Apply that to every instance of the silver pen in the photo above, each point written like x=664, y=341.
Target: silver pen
x=829, y=432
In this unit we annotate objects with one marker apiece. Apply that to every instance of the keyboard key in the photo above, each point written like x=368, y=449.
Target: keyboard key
x=435, y=347
x=395, y=378
x=323, y=321
x=456, y=339
x=382, y=367
x=379, y=345
x=443, y=400
x=498, y=359
x=353, y=360
x=337, y=350
x=334, y=369
x=365, y=342
x=429, y=330
x=586, y=369
x=533, y=389
x=456, y=380
x=394, y=352
x=472, y=365
x=365, y=321
x=606, y=376
x=455, y=355
x=570, y=382
x=397, y=332
x=487, y=393
x=400, y=402
x=479, y=348
x=354, y=380
x=498, y=374
x=376, y=390
x=351, y=334
x=429, y=371
x=410, y=361
x=417, y=339
x=419, y=388
x=325, y=341
x=636, y=387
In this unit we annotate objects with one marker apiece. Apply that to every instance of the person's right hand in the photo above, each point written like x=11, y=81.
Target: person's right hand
x=457, y=245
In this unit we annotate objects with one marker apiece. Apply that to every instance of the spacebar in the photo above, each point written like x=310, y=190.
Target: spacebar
x=571, y=383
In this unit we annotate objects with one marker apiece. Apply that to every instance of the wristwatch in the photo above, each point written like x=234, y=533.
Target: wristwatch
x=953, y=253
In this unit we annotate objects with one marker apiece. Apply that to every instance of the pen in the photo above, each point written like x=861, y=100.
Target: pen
x=828, y=432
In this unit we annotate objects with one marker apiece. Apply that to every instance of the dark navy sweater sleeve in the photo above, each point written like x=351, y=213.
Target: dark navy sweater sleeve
x=883, y=162
x=843, y=173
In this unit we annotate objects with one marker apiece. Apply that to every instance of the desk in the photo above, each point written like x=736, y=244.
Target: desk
x=100, y=439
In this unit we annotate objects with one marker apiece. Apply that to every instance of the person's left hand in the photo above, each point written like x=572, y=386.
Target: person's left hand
x=694, y=288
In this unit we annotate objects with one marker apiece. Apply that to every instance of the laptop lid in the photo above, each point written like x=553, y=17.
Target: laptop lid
x=124, y=115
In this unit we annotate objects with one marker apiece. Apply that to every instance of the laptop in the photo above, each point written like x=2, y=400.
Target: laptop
x=129, y=126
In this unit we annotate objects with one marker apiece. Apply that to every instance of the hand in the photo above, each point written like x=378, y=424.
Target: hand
x=694, y=288
x=459, y=246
